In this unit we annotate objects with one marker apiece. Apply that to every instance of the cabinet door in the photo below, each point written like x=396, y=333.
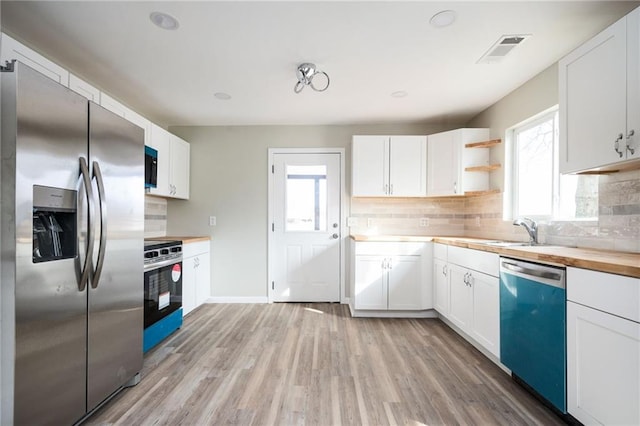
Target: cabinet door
x=141, y=122
x=188, y=285
x=370, y=283
x=633, y=83
x=13, y=49
x=113, y=105
x=486, y=311
x=593, y=88
x=203, y=279
x=370, y=166
x=444, y=165
x=603, y=367
x=461, y=298
x=162, y=143
x=179, y=167
x=405, y=283
x=441, y=288
x=83, y=88
x=408, y=166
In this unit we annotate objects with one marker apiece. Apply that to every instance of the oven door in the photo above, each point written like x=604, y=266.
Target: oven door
x=162, y=290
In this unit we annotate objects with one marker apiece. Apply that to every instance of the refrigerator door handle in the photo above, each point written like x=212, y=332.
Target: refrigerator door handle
x=84, y=272
x=95, y=280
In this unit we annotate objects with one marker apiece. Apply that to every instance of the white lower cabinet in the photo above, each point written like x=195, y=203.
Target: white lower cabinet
x=196, y=275
x=603, y=347
x=467, y=293
x=391, y=276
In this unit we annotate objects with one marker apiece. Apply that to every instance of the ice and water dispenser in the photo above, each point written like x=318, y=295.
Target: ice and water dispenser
x=55, y=219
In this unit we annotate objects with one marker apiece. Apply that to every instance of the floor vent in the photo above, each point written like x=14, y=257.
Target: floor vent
x=502, y=47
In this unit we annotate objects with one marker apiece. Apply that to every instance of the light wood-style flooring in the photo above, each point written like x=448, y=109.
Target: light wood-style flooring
x=312, y=364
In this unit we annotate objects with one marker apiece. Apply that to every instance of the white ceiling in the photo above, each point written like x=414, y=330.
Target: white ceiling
x=250, y=50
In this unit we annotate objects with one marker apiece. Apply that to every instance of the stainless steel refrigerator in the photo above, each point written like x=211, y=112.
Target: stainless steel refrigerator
x=72, y=218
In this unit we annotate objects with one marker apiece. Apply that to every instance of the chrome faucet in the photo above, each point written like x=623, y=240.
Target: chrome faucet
x=531, y=228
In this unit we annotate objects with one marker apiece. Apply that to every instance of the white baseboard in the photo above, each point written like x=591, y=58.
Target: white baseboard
x=238, y=300
x=392, y=314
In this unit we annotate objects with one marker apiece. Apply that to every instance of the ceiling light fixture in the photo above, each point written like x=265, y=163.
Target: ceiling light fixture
x=164, y=21
x=443, y=19
x=222, y=96
x=305, y=74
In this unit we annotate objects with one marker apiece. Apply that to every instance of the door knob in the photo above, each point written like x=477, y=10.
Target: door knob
x=335, y=236
x=335, y=225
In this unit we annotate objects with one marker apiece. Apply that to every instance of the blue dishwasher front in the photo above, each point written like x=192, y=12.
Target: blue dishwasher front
x=533, y=327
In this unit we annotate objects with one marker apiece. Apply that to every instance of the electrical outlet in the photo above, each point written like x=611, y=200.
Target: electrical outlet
x=212, y=221
x=424, y=221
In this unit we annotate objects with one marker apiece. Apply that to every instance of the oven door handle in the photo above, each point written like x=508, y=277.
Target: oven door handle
x=161, y=264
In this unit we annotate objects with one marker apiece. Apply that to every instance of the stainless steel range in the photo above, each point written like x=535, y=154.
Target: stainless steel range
x=162, y=290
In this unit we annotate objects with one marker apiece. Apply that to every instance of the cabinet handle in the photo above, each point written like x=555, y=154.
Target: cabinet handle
x=616, y=144
x=385, y=188
x=455, y=187
x=466, y=275
x=444, y=270
x=629, y=135
x=384, y=264
x=391, y=189
x=390, y=263
x=470, y=279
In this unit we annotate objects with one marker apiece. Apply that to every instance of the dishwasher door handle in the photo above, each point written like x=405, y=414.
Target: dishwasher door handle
x=530, y=271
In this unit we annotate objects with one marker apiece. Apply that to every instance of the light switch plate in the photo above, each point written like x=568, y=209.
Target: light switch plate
x=212, y=221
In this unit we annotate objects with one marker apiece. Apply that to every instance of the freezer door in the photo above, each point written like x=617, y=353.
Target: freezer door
x=115, y=323
x=47, y=128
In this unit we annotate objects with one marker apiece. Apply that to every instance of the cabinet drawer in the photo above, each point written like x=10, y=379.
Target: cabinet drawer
x=615, y=294
x=482, y=261
x=440, y=251
x=193, y=249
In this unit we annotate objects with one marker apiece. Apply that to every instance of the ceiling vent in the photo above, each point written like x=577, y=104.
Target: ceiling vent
x=502, y=47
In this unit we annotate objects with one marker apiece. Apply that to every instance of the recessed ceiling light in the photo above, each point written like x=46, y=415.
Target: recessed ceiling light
x=443, y=19
x=399, y=94
x=164, y=21
x=222, y=96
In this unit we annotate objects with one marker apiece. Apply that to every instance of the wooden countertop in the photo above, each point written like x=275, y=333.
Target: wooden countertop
x=614, y=262
x=185, y=240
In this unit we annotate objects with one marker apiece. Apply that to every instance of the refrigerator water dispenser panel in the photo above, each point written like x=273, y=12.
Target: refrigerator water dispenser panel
x=55, y=222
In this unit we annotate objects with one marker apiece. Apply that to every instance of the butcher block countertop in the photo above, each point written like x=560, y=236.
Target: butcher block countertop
x=621, y=263
x=185, y=240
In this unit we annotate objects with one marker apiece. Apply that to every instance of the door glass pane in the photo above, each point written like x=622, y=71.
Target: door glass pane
x=306, y=189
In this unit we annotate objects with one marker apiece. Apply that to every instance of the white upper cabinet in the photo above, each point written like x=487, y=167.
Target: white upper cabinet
x=83, y=88
x=179, y=167
x=173, y=164
x=389, y=166
x=12, y=49
x=454, y=169
x=599, y=85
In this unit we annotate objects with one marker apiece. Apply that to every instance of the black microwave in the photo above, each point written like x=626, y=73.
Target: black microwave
x=150, y=167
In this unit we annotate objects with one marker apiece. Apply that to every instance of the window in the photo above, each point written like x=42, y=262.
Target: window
x=538, y=190
x=306, y=198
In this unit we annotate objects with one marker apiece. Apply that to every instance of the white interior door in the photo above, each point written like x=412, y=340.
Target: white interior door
x=305, y=250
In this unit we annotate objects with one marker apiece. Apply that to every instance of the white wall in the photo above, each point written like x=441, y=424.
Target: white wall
x=229, y=181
